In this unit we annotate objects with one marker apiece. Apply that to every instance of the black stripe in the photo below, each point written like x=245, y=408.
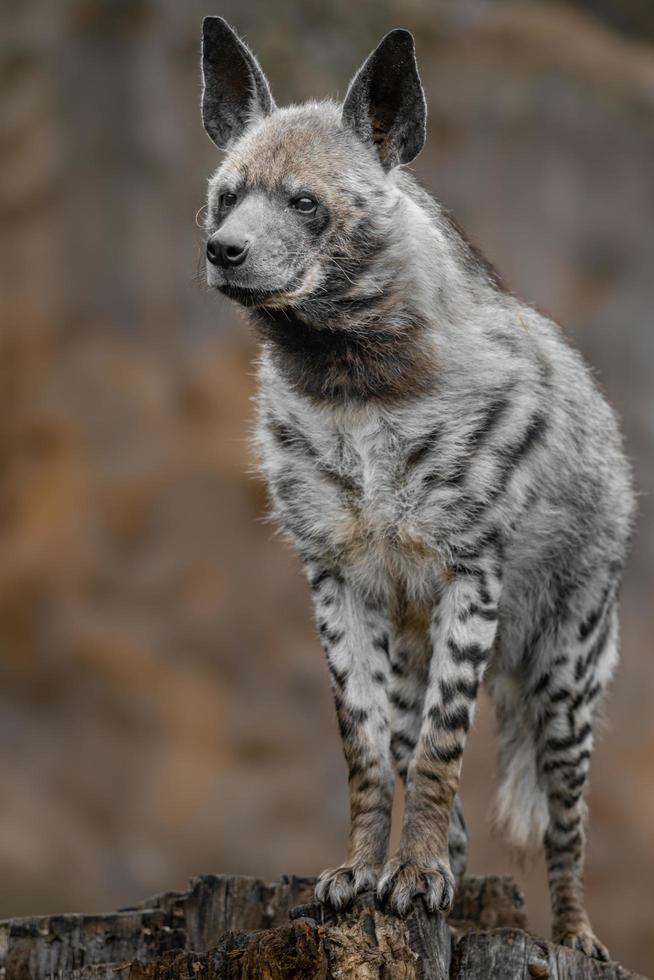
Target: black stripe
x=590, y=693
x=323, y=576
x=490, y=420
x=594, y=617
x=575, y=782
x=381, y=643
x=492, y=538
x=576, y=704
x=484, y=594
x=570, y=741
x=420, y=449
x=330, y=636
x=289, y=437
x=340, y=676
x=318, y=579
x=352, y=716
x=555, y=764
x=564, y=827
x=566, y=908
x=584, y=662
x=363, y=787
x=433, y=774
x=344, y=483
x=397, y=738
x=401, y=702
x=474, y=571
x=567, y=800
x=452, y=689
x=511, y=456
x=451, y=720
x=472, y=653
x=490, y=614
x=563, y=847
x=542, y=683
x=444, y=754
x=475, y=439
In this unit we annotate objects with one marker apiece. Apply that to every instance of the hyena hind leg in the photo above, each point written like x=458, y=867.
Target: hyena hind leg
x=568, y=698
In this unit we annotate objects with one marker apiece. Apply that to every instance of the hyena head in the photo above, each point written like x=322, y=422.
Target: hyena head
x=301, y=211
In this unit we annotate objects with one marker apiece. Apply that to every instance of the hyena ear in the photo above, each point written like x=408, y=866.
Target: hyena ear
x=235, y=91
x=385, y=104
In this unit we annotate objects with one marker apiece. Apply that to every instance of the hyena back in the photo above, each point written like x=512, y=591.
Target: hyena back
x=452, y=479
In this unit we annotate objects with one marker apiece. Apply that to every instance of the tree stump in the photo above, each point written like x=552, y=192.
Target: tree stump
x=237, y=928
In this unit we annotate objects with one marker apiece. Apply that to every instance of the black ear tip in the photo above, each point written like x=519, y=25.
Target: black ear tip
x=213, y=27
x=400, y=39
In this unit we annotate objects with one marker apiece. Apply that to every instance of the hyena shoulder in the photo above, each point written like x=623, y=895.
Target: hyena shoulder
x=405, y=489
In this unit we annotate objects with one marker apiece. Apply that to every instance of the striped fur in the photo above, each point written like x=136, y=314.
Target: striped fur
x=454, y=483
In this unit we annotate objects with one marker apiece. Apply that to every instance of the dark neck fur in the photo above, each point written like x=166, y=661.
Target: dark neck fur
x=386, y=363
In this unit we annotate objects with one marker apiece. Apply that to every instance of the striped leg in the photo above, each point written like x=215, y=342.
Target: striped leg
x=410, y=654
x=462, y=631
x=564, y=752
x=457, y=841
x=356, y=641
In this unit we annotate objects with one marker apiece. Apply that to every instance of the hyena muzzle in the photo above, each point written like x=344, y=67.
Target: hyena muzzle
x=442, y=460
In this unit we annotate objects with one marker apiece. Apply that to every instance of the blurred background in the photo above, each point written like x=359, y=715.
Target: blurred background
x=164, y=706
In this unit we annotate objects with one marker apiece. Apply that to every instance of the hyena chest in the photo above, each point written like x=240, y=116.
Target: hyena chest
x=381, y=546
x=365, y=510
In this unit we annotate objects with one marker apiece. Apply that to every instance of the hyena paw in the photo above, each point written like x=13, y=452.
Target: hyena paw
x=338, y=886
x=403, y=881
x=583, y=940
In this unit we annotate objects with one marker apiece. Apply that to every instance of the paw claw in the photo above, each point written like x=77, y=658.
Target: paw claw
x=404, y=881
x=338, y=886
x=585, y=942
x=446, y=902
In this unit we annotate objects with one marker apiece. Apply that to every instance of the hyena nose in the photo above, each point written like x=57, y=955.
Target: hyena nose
x=227, y=252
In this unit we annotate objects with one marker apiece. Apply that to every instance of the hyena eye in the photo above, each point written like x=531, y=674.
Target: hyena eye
x=304, y=204
x=228, y=200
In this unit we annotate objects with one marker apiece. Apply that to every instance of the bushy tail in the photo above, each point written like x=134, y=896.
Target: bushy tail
x=520, y=813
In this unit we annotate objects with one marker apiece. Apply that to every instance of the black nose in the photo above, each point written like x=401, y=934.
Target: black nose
x=227, y=252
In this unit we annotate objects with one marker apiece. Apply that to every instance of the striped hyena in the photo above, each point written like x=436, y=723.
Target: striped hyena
x=442, y=460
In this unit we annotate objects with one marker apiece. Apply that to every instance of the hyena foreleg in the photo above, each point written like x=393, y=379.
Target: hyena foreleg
x=355, y=637
x=410, y=654
x=463, y=631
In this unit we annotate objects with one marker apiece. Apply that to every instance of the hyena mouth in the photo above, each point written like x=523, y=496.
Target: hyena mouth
x=247, y=296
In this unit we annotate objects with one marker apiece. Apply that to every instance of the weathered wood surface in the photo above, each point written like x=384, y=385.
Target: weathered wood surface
x=237, y=928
